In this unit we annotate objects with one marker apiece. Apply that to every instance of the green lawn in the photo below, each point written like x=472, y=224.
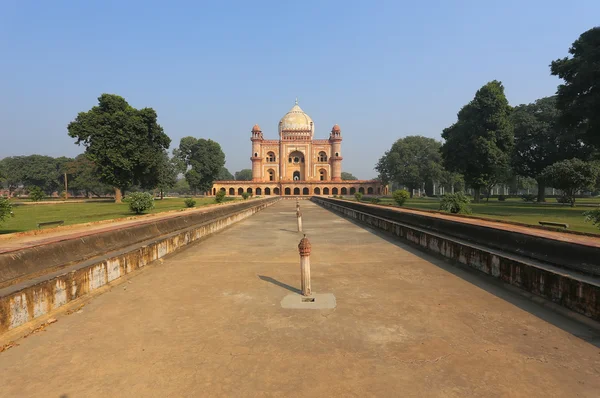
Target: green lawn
x=519, y=211
x=27, y=216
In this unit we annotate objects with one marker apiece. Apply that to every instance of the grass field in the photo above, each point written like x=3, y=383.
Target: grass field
x=518, y=211
x=27, y=216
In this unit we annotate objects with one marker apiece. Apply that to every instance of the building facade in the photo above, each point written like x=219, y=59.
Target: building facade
x=297, y=163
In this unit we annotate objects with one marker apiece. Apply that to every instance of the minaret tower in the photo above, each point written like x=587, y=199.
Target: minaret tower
x=256, y=158
x=336, y=153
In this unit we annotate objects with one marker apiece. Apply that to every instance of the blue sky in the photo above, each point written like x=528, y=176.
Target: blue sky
x=380, y=69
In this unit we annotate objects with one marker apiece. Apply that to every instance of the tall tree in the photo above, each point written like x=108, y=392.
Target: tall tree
x=43, y=172
x=203, y=160
x=125, y=143
x=225, y=175
x=541, y=141
x=412, y=161
x=243, y=175
x=479, y=144
x=166, y=173
x=579, y=96
x=348, y=176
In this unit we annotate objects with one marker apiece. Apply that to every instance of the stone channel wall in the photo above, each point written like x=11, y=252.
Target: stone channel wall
x=578, y=292
x=51, y=285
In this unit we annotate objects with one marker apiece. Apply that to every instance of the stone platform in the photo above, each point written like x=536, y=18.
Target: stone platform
x=208, y=322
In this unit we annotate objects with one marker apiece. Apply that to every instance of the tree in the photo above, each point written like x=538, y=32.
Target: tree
x=541, y=141
x=412, y=161
x=479, y=144
x=13, y=167
x=167, y=173
x=571, y=176
x=43, y=172
x=225, y=175
x=83, y=176
x=452, y=181
x=203, y=160
x=579, y=97
x=182, y=187
x=125, y=143
x=243, y=175
x=348, y=176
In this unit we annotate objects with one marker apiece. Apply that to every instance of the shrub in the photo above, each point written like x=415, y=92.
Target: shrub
x=455, y=203
x=220, y=197
x=375, y=200
x=358, y=196
x=528, y=197
x=5, y=209
x=190, y=202
x=245, y=195
x=400, y=196
x=36, y=194
x=565, y=199
x=593, y=216
x=501, y=198
x=140, y=202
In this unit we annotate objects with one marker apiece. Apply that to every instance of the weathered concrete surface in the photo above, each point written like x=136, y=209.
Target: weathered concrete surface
x=208, y=322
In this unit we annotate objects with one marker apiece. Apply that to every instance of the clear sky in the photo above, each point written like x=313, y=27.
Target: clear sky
x=380, y=69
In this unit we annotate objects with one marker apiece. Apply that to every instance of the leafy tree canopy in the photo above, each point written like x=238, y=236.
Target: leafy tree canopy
x=225, y=175
x=348, y=176
x=579, y=97
x=203, y=160
x=243, y=175
x=83, y=177
x=411, y=162
x=479, y=144
x=571, y=176
x=125, y=143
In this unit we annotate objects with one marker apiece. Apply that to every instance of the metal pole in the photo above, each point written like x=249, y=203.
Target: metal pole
x=304, y=249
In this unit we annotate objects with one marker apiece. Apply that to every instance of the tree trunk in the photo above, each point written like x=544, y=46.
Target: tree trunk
x=161, y=194
x=476, y=194
x=118, y=195
x=541, y=197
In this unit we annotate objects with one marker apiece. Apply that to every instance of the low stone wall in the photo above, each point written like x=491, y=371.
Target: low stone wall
x=36, y=296
x=577, y=292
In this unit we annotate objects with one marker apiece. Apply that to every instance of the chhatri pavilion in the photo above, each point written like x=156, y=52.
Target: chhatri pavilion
x=297, y=163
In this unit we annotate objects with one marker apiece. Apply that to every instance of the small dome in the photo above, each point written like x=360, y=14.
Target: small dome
x=296, y=121
x=256, y=128
x=304, y=246
x=336, y=129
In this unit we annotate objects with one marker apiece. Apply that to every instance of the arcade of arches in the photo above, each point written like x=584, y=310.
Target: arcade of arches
x=297, y=164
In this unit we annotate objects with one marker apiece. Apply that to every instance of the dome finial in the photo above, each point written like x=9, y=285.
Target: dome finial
x=296, y=100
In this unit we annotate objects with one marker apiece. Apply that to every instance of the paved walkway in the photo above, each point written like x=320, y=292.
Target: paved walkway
x=208, y=322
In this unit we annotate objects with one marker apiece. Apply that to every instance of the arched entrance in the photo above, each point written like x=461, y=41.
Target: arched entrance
x=296, y=176
x=370, y=190
x=352, y=191
x=276, y=191
x=214, y=191
x=232, y=191
x=296, y=166
x=317, y=191
x=296, y=191
x=334, y=191
x=258, y=191
x=288, y=191
x=361, y=190
x=240, y=191
x=249, y=190
x=267, y=191
x=344, y=191
x=325, y=191
x=305, y=191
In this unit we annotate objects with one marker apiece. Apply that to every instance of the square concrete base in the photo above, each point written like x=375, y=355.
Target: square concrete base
x=317, y=301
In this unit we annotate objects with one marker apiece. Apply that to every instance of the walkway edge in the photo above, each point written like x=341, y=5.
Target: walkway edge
x=31, y=299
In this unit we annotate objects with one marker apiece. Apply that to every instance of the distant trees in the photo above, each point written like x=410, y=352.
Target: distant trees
x=243, y=175
x=412, y=161
x=479, y=144
x=348, y=176
x=578, y=98
x=571, y=176
x=167, y=170
x=125, y=143
x=541, y=141
x=201, y=161
x=83, y=177
x=224, y=175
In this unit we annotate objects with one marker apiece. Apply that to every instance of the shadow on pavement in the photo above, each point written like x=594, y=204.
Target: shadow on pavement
x=280, y=284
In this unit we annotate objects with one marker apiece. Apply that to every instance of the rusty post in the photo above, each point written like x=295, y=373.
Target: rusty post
x=299, y=217
x=304, y=248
